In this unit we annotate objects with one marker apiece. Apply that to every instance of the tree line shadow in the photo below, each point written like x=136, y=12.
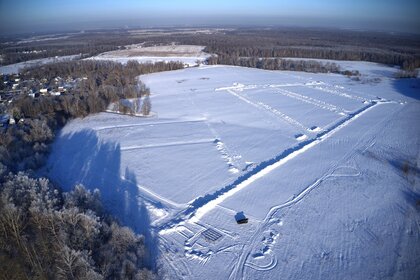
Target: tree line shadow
x=408, y=87
x=82, y=158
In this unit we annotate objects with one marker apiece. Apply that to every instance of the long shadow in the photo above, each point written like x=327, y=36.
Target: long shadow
x=81, y=158
x=408, y=87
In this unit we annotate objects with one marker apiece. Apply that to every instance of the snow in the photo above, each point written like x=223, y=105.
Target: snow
x=325, y=168
x=18, y=67
x=187, y=54
x=367, y=69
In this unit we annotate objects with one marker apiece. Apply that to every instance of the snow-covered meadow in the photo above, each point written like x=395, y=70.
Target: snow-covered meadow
x=326, y=169
x=188, y=54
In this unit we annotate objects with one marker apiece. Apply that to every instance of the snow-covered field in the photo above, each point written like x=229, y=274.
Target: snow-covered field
x=325, y=168
x=187, y=54
x=18, y=67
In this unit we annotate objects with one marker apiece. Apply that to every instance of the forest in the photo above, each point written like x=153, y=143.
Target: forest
x=231, y=45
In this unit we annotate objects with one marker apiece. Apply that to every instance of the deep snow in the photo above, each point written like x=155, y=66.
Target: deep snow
x=326, y=169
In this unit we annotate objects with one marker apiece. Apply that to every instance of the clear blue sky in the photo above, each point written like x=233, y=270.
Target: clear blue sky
x=30, y=15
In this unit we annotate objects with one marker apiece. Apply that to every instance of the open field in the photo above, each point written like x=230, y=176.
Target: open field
x=326, y=169
x=188, y=54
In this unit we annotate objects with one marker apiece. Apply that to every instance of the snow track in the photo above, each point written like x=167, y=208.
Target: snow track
x=169, y=144
x=285, y=117
x=202, y=205
x=125, y=126
x=262, y=106
x=312, y=101
x=274, y=215
x=327, y=89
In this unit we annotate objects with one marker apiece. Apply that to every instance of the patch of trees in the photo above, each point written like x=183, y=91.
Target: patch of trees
x=24, y=145
x=406, y=74
x=47, y=234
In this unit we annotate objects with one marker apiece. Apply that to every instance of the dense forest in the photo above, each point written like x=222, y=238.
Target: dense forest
x=47, y=234
x=233, y=45
x=270, y=43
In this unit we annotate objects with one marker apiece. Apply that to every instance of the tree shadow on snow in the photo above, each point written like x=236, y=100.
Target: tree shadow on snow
x=81, y=158
x=408, y=87
x=413, y=198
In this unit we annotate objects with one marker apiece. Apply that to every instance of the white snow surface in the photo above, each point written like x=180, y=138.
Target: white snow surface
x=325, y=168
x=187, y=54
x=18, y=67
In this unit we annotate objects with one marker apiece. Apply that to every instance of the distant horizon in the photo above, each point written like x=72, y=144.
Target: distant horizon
x=19, y=16
x=95, y=26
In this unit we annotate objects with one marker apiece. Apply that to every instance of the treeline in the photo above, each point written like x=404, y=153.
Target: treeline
x=21, y=54
x=46, y=234
x=405, y=61
x=311, y=66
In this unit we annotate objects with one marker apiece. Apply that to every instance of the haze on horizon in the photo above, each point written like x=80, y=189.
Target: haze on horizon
x=17, y=16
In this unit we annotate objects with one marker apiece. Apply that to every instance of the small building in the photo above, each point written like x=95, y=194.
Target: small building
x=240, y=218
x=43, y=90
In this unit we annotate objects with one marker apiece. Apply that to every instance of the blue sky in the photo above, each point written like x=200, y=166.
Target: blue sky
x=396, y=15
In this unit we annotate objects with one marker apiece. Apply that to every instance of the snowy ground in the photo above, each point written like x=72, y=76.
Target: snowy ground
x=18, y=67
x=187, y=54
x=325, y=168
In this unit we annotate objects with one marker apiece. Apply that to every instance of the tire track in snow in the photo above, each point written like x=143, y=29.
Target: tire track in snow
x=169, y=144
x=312, y=101
x=262, y=106
x=202, y=205
x=325, y=89
x=146, y=124
x=238, y=270
x=284, y=117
